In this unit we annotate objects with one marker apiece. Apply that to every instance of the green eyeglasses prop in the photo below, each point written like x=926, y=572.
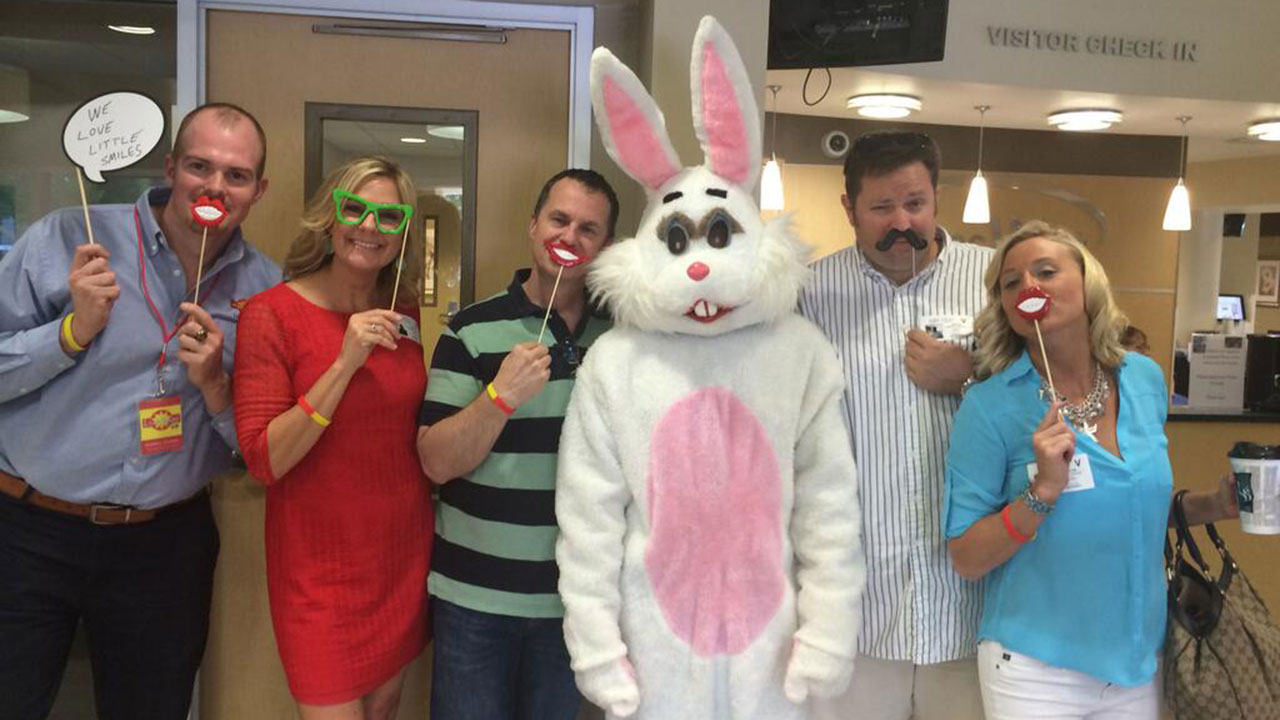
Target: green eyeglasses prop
x=351, y=209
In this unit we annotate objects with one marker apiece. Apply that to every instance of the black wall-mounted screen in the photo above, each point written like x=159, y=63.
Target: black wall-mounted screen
x=847, y=33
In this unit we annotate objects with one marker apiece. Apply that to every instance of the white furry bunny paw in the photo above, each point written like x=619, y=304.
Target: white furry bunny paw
x=815, y=672
x=611, y=687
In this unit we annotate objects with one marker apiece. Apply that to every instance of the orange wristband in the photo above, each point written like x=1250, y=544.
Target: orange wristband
x=1013, y=531
x=311, y=412
x=502, y=405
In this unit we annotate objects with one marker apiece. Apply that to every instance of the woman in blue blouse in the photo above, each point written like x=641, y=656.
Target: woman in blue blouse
x=1064, y=505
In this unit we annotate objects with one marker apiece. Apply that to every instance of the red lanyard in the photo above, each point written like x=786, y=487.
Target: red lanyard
x=165, y=333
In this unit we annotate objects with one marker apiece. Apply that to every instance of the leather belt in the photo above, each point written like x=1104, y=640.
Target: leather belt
x=97, y=513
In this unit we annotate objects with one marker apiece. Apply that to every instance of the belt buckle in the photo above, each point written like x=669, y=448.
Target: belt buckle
x=93, y=514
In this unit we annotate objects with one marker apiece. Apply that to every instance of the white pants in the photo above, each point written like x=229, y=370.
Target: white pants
x=901, y=690
x=1017, y=687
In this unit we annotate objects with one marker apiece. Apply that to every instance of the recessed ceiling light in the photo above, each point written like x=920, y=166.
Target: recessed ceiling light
x=133, y=29
x=413, y=140
x=1084, y=120
x=1268, y=130
x=448, y=132
x=885, y=106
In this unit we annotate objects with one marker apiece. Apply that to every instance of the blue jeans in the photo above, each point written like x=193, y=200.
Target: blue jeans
x=498, y=667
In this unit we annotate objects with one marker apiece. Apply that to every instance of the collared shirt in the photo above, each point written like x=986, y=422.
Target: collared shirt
x=915, y=607
x=495, y=545
x=69, y=426
x=1088, y=593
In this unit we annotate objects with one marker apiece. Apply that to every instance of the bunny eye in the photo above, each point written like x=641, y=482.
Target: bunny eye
x=718, y=232
x=677, y=238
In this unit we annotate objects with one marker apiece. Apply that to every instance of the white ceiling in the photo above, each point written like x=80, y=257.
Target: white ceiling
x=1217, y=128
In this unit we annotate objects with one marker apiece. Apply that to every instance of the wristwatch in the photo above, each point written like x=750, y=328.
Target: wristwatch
x=1035, y=504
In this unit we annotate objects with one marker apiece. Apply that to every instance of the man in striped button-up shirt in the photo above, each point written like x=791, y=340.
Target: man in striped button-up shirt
x=899, y=308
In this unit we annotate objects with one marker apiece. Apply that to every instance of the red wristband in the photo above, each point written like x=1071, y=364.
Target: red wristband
x=497, y=400
x=1013, y=531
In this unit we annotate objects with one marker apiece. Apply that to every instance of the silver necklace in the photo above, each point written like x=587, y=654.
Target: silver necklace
x=1084, y=415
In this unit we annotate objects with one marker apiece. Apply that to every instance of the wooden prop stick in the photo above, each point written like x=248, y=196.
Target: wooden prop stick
x=550, y=304
x=404, y=242
x=84, y=203
x=204, y=237
x=1048, y=373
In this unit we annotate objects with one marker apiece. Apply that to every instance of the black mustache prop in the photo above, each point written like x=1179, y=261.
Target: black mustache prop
x=910, y=235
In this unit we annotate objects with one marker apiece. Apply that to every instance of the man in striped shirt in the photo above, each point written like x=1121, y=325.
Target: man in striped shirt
x=496, y=398
x=899, y=308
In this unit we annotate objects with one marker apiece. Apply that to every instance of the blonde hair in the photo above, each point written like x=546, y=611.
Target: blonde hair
x=312, y=249
x=999, y=345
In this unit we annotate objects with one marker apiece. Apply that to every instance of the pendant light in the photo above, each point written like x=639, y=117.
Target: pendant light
x=1177, y=214
x=771, y=178
x=977, y=208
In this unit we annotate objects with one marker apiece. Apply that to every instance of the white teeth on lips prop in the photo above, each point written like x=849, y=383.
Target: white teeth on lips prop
x=1033, y=303
x=560, y=254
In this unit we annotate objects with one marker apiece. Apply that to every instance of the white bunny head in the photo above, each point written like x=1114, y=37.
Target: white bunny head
x=702, y=261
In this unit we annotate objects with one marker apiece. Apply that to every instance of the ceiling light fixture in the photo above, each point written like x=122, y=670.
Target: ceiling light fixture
x=413, y=140
x=1177, y=214
x=977, y=207
x=1085, y=120
x=1268, y=130
x=133, y=29
x=448, y=132
x=885, y=106
x=15, y=94
x=771, y=178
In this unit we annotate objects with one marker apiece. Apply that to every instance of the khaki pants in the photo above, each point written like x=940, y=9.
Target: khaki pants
x=901, y=690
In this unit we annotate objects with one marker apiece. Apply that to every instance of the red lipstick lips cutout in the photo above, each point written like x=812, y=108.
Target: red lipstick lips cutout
x=560, y=254
x=1033, y=303
x=705, y=312
x=208, y=213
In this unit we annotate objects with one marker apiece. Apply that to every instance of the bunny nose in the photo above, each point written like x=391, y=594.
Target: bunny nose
x=698, y=270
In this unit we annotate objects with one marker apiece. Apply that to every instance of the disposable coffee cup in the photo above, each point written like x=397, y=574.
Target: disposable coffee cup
x=1257, y=471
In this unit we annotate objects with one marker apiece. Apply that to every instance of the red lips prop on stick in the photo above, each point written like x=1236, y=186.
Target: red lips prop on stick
x=561, y=255
x=1033, y=305
x=207, y=214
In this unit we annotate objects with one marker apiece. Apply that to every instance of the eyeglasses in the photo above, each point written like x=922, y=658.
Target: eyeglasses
x=351, y=209
x=874, y=142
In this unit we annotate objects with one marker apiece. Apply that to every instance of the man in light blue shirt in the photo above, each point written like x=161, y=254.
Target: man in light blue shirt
x=115, y=412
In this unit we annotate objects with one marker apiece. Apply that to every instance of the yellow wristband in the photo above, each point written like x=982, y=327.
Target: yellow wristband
x=312, y=413
x=502, y=405
x=67, y=337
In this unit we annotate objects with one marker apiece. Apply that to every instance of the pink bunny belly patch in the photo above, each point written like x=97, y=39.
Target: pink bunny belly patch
x=714, y=558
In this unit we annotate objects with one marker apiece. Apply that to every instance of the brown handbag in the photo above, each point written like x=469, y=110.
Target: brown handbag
x=1222, y=646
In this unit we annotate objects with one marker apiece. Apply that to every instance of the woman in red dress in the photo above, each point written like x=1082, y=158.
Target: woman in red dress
x=327, y=387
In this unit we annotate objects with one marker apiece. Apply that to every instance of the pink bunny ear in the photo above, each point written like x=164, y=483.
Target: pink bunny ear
x=631, y=126
x=725, y=116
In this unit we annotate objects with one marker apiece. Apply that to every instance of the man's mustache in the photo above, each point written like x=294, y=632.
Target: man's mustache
x=892, y=236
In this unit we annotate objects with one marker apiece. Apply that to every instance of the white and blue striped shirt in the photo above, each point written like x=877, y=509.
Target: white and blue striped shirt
x=915, y=607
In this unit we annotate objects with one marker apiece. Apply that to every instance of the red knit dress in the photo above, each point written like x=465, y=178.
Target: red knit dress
x=349, y=528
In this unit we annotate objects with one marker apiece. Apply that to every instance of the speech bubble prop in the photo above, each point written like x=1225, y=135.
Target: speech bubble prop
x=111, y=132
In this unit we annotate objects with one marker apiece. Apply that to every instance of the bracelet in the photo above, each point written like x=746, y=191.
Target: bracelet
x=1035, y=504
x=67, y=337
x=1013, y=531
x=312, y=413
x=502, y=405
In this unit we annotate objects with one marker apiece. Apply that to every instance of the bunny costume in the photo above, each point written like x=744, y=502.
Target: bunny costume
x=709, y=551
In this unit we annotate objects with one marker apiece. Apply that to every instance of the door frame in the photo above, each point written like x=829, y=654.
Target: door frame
x=578, y=21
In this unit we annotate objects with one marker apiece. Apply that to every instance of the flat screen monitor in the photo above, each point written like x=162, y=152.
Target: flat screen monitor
x=1231, y=307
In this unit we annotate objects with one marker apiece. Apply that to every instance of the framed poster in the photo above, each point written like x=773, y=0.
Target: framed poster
x=429, y=264
x=1268, y=288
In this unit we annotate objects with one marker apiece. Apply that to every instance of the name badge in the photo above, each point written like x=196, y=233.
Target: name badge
x=952, y=328
x=160, y=424
x=1079, y=473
